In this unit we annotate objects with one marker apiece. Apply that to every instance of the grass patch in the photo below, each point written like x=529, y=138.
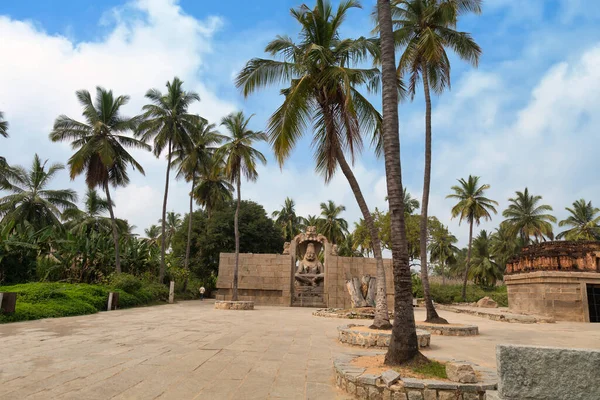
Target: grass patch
x=51, y=300
x=430, y=369
x=420, y=367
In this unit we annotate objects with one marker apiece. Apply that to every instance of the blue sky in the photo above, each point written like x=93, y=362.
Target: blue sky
x=526, y=117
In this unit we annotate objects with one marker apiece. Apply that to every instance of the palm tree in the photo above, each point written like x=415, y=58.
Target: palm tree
x=30, y=201
x=472, y=206
x=193, y=161
x=92, y=217
x=504, y=245
x=403, y=342
x=312, y=220
x=333, y=227
x=584, y=222
x=167, y=122
x=362, y=238
x=240, y=159
x=100, y=143
x=172, y=224
x=288, y=220
x=484, y=269
x=425, y=29
x=526, y=217
x=3, y=165
x=3, y=126
x=348, y=248
x=152, y=235
x=213, y=188
x=410, y=203
x=323, y=98
x=442, y=248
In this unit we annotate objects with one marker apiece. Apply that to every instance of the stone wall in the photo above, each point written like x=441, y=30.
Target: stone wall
x=339, y=269
x=561, y=295
x=263, y=278
x=557, y=256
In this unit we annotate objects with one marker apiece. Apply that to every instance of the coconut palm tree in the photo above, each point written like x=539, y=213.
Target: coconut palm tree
x=213, y=189
x=472, y=206
x=168, y=124
x=403, y=342
x=312, y=220
x=504, y=245
x=526, y=217
x=348, y=247
x=194, y=160
x=584, y=222
x=425, y=29
x=323, y=97
x=485, y=271
x=91, y=218
x=288, y=220
x=3, y=126
x=3, y=165
x=153, y=234
x=410, y=203
x=240, y=160
x=101, y=146
x=333, y=227
x=30, y=201
x=442, y=248
x=172, y=224
x=362, y=238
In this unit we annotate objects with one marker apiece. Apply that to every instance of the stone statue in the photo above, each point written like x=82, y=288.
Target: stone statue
x=286, y=248
x=310, y=269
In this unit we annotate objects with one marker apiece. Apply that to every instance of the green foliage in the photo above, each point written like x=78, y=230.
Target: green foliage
x=447, y=294
x=126, y=282
x=432, y=369
x=52, y=300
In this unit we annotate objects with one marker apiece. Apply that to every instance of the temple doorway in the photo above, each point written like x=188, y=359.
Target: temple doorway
x=593, y=296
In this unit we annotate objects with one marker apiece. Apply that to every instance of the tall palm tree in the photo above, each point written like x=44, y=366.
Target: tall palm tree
x=153, y=234
x=31, y=201
x=288, y=220
x=485, y=271
x=3, y=165
x=194, y=160
x=333, y=227
x=348, y=247
x=472, y=206
x=504, y=245
x=362, y=238
x=425, y=29
x=584, y=222
x=101, y=146
x=172, y=225
x=442, y=248
x=3, y=126
x=526, y=217
x=323, y=97
x=403, y=342
x=312, y=220
x=168, y=124
x=410, y=203
x=91, y=218
x=240, y=160
x=213, y=189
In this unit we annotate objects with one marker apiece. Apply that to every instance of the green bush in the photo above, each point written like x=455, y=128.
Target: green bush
x=446, y=294
x=51, y=300
x=126, y=282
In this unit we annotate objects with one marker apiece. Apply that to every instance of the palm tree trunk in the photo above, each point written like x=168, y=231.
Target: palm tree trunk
x=464, y=288
x=382, y=318
x=403, y=343
x=237, y=238
x=186, y=264
x=432, y=315
x=443, y=274
x=163, y=242
x=114, y=229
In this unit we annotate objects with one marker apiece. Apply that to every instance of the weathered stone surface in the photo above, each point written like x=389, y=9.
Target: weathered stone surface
x=429, y=394
x=487, y=302
x=390, y=377
x=234, y=305
x=378, y=339
x=375, y=393
x=361, y=392
x=470, y=396
x=448, y=395
x=492, y=395
x=459, y=372
x=414, y=395
x=413, y=383
x=548, y=373
x=368, y=379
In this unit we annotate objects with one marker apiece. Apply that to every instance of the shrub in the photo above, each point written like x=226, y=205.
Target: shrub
x=126, y=282
x=446, y=294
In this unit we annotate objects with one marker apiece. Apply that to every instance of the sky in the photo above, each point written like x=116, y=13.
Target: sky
x=526, y=117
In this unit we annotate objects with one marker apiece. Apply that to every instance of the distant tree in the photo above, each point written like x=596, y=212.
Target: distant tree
x=472, y=206
x=153, y=235
x=167, y=122
x=333, y=227
x=240, y=159
x=3, y=164
x=290, y=223
x=3, y=126
x=30, y=201
x=526, y=217
x=101, y=146
x=584, y=222
x=92, y=217
x=362, y=238
x=214, y=189
x=442, y=248
x=484, y=269
x=172, y=224
x=504, y=245
x=312, y=220
x=348, y=247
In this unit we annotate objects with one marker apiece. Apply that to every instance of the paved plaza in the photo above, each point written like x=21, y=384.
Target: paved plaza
x=191, y=351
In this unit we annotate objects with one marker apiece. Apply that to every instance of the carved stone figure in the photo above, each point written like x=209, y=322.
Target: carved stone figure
x=286, y=248
x=310, y=270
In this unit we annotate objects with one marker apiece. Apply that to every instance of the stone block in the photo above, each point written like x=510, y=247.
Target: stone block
x=429, y=394
x=350, y=387
x=448, y=395
x=459, y=372
x=471, y=396
x=538, y=373
x=412, y=383
x=375, y=393
x=390, y=377
x=361, y=392
x=414, y=395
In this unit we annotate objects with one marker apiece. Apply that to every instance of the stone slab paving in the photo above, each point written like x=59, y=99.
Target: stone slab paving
x=189, y=350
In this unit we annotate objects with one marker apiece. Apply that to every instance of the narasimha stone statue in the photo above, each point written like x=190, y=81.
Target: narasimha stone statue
x=310, y=269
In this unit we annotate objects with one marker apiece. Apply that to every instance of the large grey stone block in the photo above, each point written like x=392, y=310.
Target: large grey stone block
x=540, y=373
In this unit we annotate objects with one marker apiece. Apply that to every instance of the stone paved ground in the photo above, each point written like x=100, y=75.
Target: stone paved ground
x=189, y=350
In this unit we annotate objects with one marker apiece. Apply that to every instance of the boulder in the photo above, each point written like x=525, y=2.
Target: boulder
x=487, y=302
x=459, y=372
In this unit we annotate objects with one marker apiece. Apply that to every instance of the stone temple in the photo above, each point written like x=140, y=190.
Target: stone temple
x=309, y=273
x=559, y=279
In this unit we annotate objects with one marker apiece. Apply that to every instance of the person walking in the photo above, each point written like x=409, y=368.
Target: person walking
x=202, y=290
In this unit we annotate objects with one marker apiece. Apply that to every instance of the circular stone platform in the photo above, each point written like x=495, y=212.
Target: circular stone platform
x=449, y=330
x=360, y=335
x=234, y=305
